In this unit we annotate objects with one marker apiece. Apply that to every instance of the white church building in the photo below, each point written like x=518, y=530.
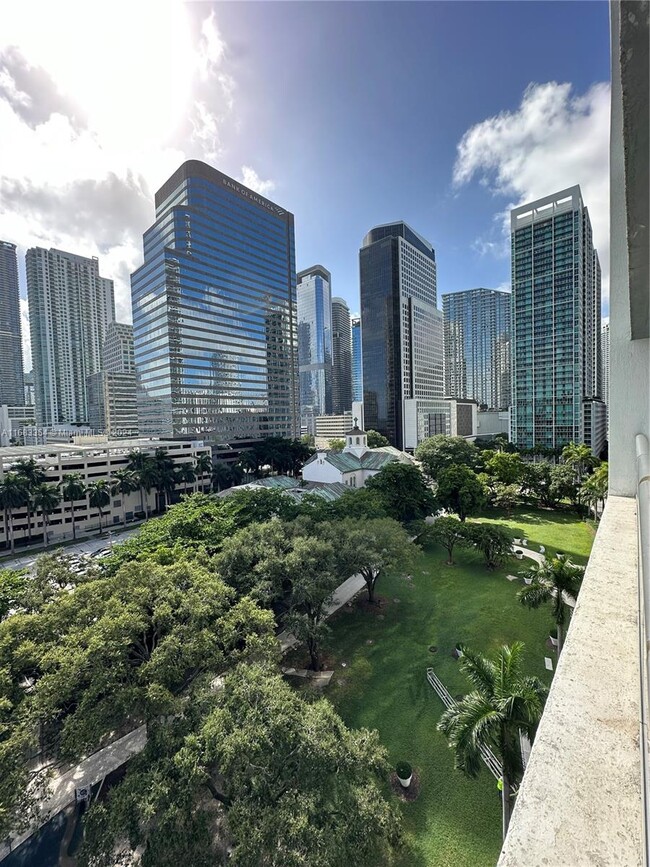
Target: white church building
x=355, y=464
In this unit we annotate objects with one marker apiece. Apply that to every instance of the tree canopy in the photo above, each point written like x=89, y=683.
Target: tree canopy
x=441, y=452
x=460, y=490
x=403, y=492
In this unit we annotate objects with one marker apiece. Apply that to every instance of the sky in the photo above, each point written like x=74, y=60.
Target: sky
x=348, y=114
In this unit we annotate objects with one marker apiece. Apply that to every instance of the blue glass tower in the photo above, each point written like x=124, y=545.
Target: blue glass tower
x=214, y=312
x=314, y=344
x=357, y=362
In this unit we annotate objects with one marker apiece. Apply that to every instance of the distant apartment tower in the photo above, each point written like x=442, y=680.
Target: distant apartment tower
x=477, y=346
x=604, y=367
x=11, y=350
x=402, y=336
x=70, y=308
x=555, y=321
x=214, y=312
x=341, y=357
x=112, y=404
x=357, y=363
x=314, y=344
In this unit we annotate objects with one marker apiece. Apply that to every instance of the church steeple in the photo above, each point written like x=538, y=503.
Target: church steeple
x=356, y=440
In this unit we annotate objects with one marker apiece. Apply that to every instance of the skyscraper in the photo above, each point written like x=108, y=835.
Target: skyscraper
x=70, y=308
x=214, y=312
x=402, y=335
x=11, y=350
x=604, y=366
x=477, y=346
x=314, y=344
x=112, y=405
x=341, y=357
x=555, y=319
x=357, y=365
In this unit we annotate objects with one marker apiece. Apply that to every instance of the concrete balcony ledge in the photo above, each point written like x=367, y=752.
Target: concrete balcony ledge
x=580, y=801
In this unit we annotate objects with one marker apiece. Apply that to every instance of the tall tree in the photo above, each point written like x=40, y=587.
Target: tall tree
x=593, y=490
x=34, y=475
x=144, y=467
x=440, y=452
x=165, y=476
x=99, y=496
x=296, y=786
x=460, y=490
x=578, y=456
x=185, y=474
x=376, y=440
x=123, y=483
x=403, y=492
x=506, y=468
x=47, y=498
x=73, y=489
x=14, y=493
x=221, y=475
x=203, y=468
x=551, y=580
x=447, y=532
x=373, y=547
x=504, y=703
x=492, y=541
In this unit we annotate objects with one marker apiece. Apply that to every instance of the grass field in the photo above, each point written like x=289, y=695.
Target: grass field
x=455, y=821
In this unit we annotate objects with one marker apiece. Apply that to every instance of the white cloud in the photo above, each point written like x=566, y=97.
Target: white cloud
x=554, y=140
x=92, y=127
x=251, y=179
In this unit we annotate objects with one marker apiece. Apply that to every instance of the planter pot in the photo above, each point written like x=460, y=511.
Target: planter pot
x=519, y=555
x=524, y=541
x=528, y=581
x=405, y=783
x=560, y=555
x=554, y=641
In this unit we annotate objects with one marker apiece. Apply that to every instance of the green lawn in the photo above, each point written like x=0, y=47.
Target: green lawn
x=455, y=821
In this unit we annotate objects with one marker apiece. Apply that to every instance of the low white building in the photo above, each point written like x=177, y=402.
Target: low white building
x=92, y=458
x=354, y=465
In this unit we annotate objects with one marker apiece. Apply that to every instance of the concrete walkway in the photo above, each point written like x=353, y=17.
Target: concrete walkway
x=101, y=763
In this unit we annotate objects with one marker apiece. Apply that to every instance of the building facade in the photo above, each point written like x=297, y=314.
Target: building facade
x=214, y=312
x=314, y=344
x=604, y=354
x=402, y=333
x=357, y=362
x=92, y=458
x=11, y=350
x=555, y=318
x=112, y=402
x=70, y=309
x=477, y=346
x=341, y=357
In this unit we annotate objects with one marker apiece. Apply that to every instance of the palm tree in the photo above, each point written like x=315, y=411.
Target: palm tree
x=165, y=477
x=551, y=580
x=47, y=498
x=594, y=488
x=123, y=482
x=579, y=458
x=73, y=488
x=203, y=467
x=185, y=474
x=144, y=467
x=249, y=462
x=504, y=703
x=34, y=475
x=221, y=475
x=13, y=494
x=99, y=495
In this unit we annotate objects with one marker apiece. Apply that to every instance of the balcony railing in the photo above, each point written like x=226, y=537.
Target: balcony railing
x=643, y=524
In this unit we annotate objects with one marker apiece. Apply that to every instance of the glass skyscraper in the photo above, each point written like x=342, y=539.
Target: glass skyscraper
x=341, y=357
x=477, y=346
x=314, y=344
x=214, y=312
x=12, y=390
x=555, y=320
x=402, y=333
x=357, y=365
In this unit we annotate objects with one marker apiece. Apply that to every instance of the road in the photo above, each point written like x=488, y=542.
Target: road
x=87, y=546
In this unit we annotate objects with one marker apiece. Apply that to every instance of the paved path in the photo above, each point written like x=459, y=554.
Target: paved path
x=101, y=763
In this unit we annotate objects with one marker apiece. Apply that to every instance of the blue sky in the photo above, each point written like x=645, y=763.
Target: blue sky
x=349, y=114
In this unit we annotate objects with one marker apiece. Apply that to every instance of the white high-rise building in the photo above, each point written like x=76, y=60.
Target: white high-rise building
x=70, y=308
x=604, y=369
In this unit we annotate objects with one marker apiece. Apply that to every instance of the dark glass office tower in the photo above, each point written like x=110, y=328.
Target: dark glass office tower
x=12, y=390
x=214, y=312
x=477, y=346
x=556, y=355
x=401, y=335
x=341, y=357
